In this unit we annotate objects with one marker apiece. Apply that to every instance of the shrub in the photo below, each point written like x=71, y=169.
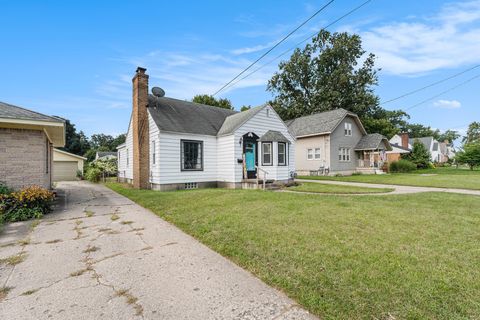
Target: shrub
x=30, y=202
x=79, y=174
x=4, y=189
x=402, y=166
x=419, y=155
x=93, y=174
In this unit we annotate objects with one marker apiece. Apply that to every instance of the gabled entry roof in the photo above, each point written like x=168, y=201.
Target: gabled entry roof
x=272, y=135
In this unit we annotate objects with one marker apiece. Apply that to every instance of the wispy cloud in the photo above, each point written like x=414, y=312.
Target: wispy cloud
x=182, y=75
x=447, y=104
x=450, y=38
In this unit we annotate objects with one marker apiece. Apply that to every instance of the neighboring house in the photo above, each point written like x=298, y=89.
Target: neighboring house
x=400, y=146
x=432, y=145
x=66, y=165
x=335, y=142
x=447, y=150
x=176, y=144
x=27, y=139
x=105, y=155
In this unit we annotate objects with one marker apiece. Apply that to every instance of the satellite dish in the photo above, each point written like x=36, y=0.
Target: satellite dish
x=158, y=92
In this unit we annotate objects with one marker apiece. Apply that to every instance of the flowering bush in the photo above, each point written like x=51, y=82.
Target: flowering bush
x=30, y=202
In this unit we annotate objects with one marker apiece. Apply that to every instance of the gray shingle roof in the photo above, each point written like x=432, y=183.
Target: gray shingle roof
x=187, y=117
x=234, y=121
x=272, y=135
x=426, y=141
x=372, y=142
x=106, y=153
x=14, y=112
x=324, y=122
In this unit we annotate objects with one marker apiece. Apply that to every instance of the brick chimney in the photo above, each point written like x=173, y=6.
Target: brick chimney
x=404, y=136
x=140, y=130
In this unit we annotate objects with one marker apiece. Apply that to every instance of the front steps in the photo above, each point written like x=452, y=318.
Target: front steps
x=252, y=184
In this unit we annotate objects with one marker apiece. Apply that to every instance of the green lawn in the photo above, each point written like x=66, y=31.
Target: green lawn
x=440, y=177
x=338, y=189
x=342, y=257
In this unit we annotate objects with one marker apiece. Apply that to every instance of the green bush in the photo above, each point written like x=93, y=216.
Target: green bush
x=29, y=203
x=402, y=166
x=93, y=174
x=4, y=189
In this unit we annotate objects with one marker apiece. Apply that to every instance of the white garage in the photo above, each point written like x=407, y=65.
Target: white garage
x=65, y=165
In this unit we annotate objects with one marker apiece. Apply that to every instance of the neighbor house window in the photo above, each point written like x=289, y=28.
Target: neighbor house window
x=153, y=152
x=267, y=153
x=192, y=155
x=128, y=158
x=282, y=154
x=348, y=129
x=309, y=154
x=317, y=153
x=344, y=154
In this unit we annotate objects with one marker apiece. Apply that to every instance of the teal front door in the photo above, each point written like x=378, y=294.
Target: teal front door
x=250, y=159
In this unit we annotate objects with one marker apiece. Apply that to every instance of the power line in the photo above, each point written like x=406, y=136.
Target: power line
x=276, y=45
x=301, y=42
x=430, y=85
x=443, y=92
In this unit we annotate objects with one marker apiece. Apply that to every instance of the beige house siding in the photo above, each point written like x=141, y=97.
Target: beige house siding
x=23, y=158
x=303, y=165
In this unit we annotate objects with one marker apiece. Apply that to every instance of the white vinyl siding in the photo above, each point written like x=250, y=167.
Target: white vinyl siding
x=125, y=156
x=226, y=160
x=169, y=166
x=154, y=149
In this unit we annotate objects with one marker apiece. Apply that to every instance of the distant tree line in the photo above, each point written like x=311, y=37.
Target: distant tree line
x=78, y=143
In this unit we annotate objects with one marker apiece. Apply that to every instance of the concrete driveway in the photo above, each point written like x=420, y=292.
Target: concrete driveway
x=99, y=255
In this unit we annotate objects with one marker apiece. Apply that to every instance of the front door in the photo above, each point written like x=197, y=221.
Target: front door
x=250, y=159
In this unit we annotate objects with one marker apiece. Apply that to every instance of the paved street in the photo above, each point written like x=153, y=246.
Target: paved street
x=99, y=255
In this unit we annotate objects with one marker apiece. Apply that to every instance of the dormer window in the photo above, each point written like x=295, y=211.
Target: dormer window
x=348, y=129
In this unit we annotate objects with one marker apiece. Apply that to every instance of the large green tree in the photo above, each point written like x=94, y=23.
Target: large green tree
x=473, y=133
x=470, y=155
x=75, y=142
x=212, y=101
x=333, y=71
x=449, y=135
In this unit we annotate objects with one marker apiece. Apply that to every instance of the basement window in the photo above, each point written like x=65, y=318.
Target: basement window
x=191, y=185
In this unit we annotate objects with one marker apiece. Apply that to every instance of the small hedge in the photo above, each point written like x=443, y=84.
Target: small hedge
x=402, y=166
x=29, y=203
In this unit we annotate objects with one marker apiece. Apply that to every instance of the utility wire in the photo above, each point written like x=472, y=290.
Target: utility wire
x=430, y=85
x=443, y=92
x=301, y=42
x=276, y=45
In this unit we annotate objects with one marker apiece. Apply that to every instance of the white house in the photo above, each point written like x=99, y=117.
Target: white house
x=175, y=144
x=432, y=145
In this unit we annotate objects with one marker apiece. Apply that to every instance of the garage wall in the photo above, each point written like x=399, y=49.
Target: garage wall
x=58, y=156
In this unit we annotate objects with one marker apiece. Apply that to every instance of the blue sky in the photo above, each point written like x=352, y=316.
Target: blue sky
x=76, y=59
